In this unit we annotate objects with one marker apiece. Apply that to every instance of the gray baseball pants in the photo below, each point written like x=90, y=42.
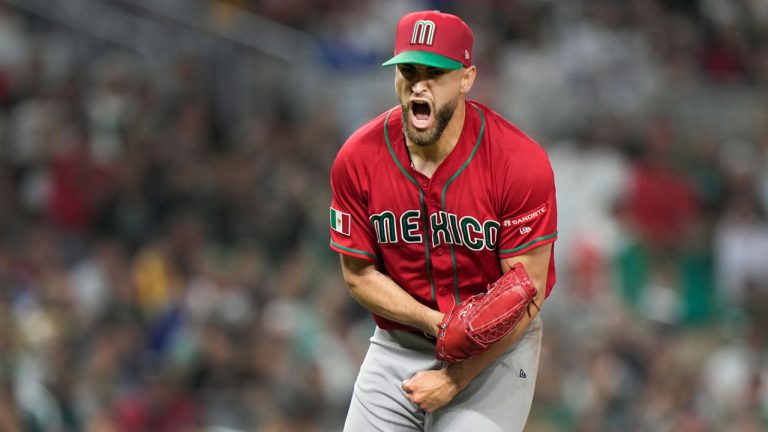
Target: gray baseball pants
x=497, y=400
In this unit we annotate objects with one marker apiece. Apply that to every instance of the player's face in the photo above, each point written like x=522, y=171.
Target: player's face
x=429, y=96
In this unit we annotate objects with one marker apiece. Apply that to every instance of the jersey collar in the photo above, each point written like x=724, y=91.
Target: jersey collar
x=471, y=136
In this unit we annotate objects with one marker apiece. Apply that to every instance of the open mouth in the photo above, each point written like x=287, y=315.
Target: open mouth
x=421, y=114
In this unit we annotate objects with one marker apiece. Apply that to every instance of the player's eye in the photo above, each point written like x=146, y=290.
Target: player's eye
x=408, y=71
x=435, y=72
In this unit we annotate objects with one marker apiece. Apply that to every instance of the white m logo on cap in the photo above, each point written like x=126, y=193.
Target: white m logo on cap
x=423, y=32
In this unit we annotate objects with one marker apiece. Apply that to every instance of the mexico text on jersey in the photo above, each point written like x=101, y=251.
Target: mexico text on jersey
x=439, y=238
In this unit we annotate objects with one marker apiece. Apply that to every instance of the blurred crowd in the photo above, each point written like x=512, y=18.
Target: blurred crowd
x=164, y=270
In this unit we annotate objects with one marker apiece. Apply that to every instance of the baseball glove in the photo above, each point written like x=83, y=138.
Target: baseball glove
x=478, y=322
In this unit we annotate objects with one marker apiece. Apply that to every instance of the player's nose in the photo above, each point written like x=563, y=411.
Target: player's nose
x=419, y=86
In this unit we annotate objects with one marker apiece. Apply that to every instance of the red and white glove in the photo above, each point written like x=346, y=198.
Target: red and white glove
x=474, y=325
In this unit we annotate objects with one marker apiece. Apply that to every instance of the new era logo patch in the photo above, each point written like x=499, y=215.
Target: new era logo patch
x=340, y=222
x=522, y=374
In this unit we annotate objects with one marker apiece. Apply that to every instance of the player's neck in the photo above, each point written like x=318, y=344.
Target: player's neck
x=426, y=159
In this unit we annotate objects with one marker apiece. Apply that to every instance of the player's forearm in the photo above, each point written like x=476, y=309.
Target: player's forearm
x=463, y=372
x=379, y=294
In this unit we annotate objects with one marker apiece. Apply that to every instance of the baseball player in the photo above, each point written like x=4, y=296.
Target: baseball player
x=432, y=203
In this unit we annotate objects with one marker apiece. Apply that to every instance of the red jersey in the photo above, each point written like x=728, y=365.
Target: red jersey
x=441, y=238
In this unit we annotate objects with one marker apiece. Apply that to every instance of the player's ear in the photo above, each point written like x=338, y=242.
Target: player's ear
x=468, y=78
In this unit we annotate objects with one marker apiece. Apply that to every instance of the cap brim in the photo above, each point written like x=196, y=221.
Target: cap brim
x=423, y=58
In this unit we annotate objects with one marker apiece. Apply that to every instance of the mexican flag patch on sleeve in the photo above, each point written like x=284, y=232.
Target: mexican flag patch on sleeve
x=340, y=221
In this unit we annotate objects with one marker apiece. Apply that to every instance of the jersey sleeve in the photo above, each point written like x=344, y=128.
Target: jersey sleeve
x=351, y=231
x=529, y=207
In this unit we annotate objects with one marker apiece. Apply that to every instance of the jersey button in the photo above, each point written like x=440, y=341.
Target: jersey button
x=425, y=184
x=439, y=252
x=442, y=291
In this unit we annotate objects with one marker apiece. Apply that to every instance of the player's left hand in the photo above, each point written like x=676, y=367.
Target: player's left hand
x=430, y=389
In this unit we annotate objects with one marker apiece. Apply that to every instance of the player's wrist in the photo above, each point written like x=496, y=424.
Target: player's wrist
x=457, y=375
x=432, y=320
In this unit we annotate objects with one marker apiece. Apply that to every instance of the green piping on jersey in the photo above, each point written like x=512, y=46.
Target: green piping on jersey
x=422, y=201
x=536, y=240
x=445, y=188
x=359, y=252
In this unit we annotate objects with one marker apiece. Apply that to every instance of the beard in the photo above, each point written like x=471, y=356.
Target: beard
x=425, y=138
